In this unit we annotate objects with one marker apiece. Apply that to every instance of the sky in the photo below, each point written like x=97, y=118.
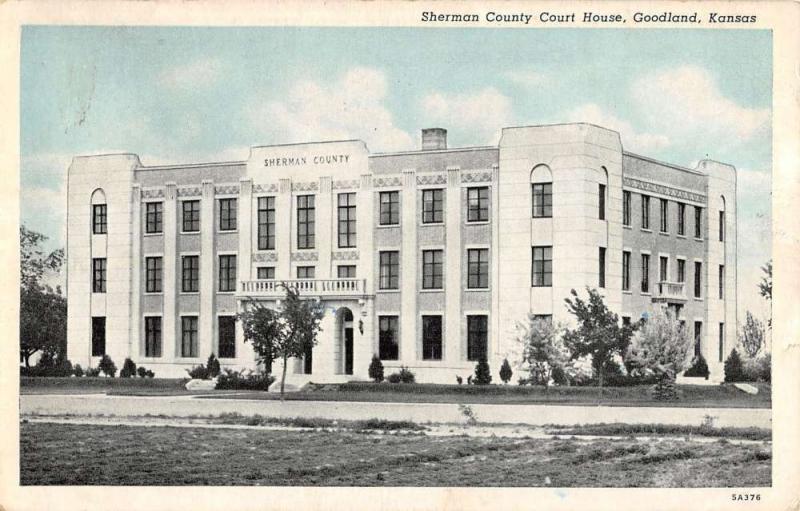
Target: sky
x=182, y=95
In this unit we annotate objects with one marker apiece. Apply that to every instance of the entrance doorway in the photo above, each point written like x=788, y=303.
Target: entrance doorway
x=344, y=318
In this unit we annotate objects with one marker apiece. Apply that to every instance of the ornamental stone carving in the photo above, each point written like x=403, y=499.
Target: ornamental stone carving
x=153, y=193
x=266, y=188
x=304, y=256
x=189, y=191
x=265, y=257
x=226, y=189
x=431, y=179
x=345, y=255
x=346, y=184
x=380, y=182
x=663, y=190
x=305, y=187
x=482, y=176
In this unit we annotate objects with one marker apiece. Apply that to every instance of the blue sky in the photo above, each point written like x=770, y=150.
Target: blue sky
x=200, y=94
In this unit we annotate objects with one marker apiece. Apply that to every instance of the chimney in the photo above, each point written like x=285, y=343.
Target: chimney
x=434, y=138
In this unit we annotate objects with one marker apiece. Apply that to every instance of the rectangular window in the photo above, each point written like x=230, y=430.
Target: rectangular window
x=99, y=224
x=305, y=221
x=432, y=269
x=388, y=346
x=722, y=226
x=542, y=200
x=626, y=271
x=389, y=208
x=681, y=219
x=601, y=258
x=478, y=268
x=664, y=215
x=347, y=220
x=543, y=317
x=698, y=337
x=227, y=273
x=431, y=337
x=266, y=223
x=645, y=273
x=153, y=274
x=191, y=216
x=477, y=337
x=721, y=281
x=681, y=271
x=346, y=271
x=626, y=208
x=227, y=214
x=154, y=214
x=663, y=269
x=152, y=336
x=190, y=274
x=601, y=202
x=721, y=341
x=98, y=336
x=478, y=204
x=306, y=272
x=432, y=206
x=626, y=321
x=542, y=267
x=189, y=336
x=266, y=273
x=308, y=360
x=698, y=279
x=645, y=212
x=226, y=339
x=389, y=270
x=99, y=275
x=698, y=222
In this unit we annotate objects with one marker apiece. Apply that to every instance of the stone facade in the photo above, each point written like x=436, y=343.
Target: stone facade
x=440, y=253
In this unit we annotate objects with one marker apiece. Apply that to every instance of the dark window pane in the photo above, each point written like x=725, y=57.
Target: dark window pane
x=388, y=346
x=99, y=224
x=431, y=337
x=227, y=336
x=152, y=344
x=98, y=336
x=154, y=217
x=477, y=335
x=227, y=214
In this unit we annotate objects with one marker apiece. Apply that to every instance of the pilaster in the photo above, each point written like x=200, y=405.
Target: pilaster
x=452, y=319
x=408, y=270
x=169, y=334
x=283, y=229
x=208, y=281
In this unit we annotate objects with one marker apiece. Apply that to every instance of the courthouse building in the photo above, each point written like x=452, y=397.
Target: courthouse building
x=427, y=258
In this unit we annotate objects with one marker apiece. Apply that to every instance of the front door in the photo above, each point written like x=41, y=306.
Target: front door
x=348, y=350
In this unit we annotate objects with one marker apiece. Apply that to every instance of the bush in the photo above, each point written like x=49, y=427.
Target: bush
x=93, y=372
x=150, y=374
x=212, y=366
x=205, y=372
x=734, y=369
x=243, y=380
x=107, y=366
x=393, y=378
x=77, y=370
x=48, y=365
x=406, y=376
x=766, y=367
x=758, y=369
x=505, y=371
x=559, y=376
x=376, y=369
x=141, y=371
x=128, y=369
x=699, y=368
x=483, y=375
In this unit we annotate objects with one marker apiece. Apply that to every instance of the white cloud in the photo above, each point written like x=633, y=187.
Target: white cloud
x=482, y=113
x=192, y=75
x=351, y=107
x=632, y=140
x=526, y=78
x=686, y=102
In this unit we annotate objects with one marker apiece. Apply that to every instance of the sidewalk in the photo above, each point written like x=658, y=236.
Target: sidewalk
x=535, y=415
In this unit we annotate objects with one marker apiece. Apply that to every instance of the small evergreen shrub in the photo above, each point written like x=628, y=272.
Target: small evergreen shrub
x=734, y=369
x=128, y=369
x=93, y=372
x=505, y=371
x=699, y=368
x=483, y=375
x=107, y=366
x=141, y=371
x=77, y=370
x=393, y=378
x=198, y=372
x=150, y=374
x=376, y=369
x=406, y=376
x=213, y=367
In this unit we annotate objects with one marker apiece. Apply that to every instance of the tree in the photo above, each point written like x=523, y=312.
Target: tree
x=43, y=310
x=108, y=366
x=483, y=375
x=281, y=334
x=128, y=369
x=734, y=369
x=765, y=286
x=599, y=333
x=376, y=369
x=505, y=371
x=751, y=337
x=542, y=348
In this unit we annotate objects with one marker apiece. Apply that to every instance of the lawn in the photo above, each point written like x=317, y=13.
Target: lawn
x=60, y=454
x=53, y=385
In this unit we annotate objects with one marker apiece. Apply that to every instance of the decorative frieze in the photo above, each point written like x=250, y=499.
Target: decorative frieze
x=189, y=191
x=305, y=187
x=382, y=182
x=265, y=257
x=266, y=188
x=480, y=176
x=431, y=179
x=663, y=190
x=345, y=255
x=346, y=184
x=153, y=193
x=226, y=190
x=303, y=256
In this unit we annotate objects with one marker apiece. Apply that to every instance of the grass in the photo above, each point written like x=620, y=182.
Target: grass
x=619, y=429
x=315, y=422
x=60, y=454
x=85, y=385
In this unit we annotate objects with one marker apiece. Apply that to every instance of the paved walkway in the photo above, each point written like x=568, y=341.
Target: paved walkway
x=536, y=415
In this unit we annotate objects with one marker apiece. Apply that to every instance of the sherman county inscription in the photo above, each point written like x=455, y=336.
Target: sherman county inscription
x=546, y=17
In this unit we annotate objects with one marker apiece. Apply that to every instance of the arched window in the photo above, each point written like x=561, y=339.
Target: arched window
x=722, y=219
x=602, y=191
x=542, y=192
x=99, y=212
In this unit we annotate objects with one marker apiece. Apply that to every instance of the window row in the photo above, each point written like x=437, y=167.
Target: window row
x=433, y=269
x=190, y=274
x=664, y=276
x=433, y=206
x=664, y=223
x=432, y=342
x=542, y=200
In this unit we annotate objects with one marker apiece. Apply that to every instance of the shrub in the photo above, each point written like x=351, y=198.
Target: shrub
x=758, y=369
x=376, y=369
x=198, y=372
x=48, y=365
x=93, y=372
x=243, y=380
x=406, y=376
x=559, y=376
x=766, y=367
x=699, y=368
x=734, y=370
x=150, y=374
x=141, y=371
x=483, y=375
x=128, y=369
x=505, y=371
x=77, y=370
x=213, y=367
x=393, y=378
x=107, y=366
